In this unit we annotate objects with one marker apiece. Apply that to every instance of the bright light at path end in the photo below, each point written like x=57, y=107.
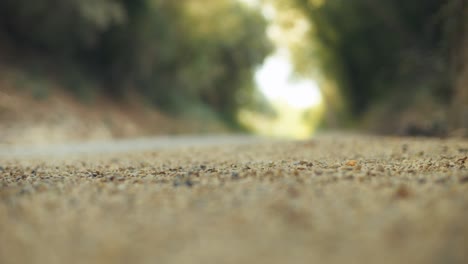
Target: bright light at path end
x=249, y=2
x=275, y=80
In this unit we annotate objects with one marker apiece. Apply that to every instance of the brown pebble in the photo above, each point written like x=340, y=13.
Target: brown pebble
x=304, y=163
x=464, y=179
x=380, y=168
x=403, y=192
x=462, y=160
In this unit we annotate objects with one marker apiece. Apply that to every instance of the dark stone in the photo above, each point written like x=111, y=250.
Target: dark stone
x=189, y=183
x=235, y=175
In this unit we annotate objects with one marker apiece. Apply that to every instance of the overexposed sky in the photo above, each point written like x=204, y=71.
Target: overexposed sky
x=275, y=80
x=289, y=94
x=275, y=77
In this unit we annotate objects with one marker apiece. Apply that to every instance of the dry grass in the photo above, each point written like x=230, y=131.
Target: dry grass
x=331, y=200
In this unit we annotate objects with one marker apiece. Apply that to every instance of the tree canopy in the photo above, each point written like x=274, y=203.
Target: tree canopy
x=386, y=50
x=172, y=52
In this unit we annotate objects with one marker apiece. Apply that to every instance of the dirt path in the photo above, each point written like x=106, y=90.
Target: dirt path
x=335, y=199
x=125, y=145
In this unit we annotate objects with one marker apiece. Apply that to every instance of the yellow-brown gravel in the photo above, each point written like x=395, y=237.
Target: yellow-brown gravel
x=328, y=200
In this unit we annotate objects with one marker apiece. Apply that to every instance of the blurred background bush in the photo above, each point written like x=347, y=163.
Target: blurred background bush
x=172, y=52
x=398, y=66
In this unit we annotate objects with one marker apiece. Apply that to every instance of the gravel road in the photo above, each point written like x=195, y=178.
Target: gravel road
x=125, y=145
x=332, y=199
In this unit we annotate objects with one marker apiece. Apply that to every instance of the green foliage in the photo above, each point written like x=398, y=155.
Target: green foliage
x=79, y=84
x=31, y=81
x=60, y=26
x=169, y=51
x=374, y=49
x=39, y=90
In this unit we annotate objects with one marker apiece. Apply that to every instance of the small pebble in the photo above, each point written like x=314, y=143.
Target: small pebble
x=235, y=175
x=403, y=192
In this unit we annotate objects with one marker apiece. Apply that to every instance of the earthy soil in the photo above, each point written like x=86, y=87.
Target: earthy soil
x=334, y=199
x=60, y=117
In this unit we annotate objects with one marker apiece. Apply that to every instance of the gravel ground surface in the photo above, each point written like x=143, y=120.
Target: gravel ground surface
x=335, y=199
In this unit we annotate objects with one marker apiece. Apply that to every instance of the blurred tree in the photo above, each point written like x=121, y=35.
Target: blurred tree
x=383, y=51
x=455, y=32
x=60, y=27
x=173, y=52
x=370, y=47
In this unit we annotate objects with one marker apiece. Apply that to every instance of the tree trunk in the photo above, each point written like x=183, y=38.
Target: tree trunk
x=459, y=115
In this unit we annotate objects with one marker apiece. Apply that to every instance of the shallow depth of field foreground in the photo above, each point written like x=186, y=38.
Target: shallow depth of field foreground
x=334, y=199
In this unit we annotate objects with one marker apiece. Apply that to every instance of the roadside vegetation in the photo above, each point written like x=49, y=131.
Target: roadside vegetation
x=181, y=56
x=390, y=65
